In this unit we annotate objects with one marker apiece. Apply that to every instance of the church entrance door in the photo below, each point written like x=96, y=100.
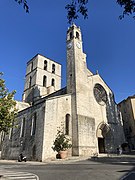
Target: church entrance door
x=101, y=145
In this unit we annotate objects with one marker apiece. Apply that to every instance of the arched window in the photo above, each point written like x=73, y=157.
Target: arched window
x=33, y=125
x=45, y=65
x=67, y=120
x=71, y=35
x=31, y=66
x=2, y=135
x=44, y=81
x=77, y=35
x=22, y=128
x=34, y=152
x=30, y=79
x=10, y=133
x=53, y=82
x=53, y=68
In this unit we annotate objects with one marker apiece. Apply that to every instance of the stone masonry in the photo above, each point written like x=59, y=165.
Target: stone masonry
x=95, y=124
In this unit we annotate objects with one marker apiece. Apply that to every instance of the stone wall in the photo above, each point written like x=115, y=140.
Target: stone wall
x=30, y=145
x=127, y=108
x=87, y=136
x=54, y=119
x=21, y=105
x=35, y=87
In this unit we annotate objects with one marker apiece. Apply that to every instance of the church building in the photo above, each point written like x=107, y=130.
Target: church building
x=85, y=107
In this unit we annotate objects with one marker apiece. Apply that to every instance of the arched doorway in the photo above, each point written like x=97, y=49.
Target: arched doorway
x=102, y=131
x=101, y=145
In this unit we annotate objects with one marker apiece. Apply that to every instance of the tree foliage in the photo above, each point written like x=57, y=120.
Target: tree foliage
x=24, y=3
x=62, y=142
x=76, y=7
x=7, y=107
x=129, y=7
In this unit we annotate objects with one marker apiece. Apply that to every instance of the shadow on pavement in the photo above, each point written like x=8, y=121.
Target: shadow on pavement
x=123, y=160
x=130, y=175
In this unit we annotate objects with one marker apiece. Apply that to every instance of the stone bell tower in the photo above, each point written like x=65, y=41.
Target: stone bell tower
x=43, y=77
x=76, y=78
x=76, y=59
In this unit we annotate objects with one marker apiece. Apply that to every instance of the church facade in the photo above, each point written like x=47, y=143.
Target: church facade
x=85, y=108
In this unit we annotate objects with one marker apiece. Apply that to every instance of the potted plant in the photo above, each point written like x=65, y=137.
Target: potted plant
x=61, y=144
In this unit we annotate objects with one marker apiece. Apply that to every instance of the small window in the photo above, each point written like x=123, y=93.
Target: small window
x=10, y=133
x=77, y=35
x=33, y=125
x=130, y=129
x=34, y=152
x=53, y=82
x=45, y=65
x=71, y=35
x=53, y=68
x=44, y=81
x=67, y=120
x=22, y=128
x=31, y=66
x=30, y=80
x=2, y=135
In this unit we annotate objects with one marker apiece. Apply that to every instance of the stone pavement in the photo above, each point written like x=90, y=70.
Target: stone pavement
x=113, y=158
x=103, y=158
x=48, y=161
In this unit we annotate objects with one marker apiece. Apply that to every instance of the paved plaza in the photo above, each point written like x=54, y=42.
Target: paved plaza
x=104, y=167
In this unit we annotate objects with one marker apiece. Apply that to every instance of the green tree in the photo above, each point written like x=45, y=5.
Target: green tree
x=62, y=142
x=7, y=107
x=76, y=7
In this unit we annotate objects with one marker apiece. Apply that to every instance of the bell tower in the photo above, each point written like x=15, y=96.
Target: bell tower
x=76, y=59
x=43, y=77
x=76, y=78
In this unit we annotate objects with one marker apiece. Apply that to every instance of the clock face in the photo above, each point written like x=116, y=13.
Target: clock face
x=100, y=94
x=69, y=45
x=78, y=45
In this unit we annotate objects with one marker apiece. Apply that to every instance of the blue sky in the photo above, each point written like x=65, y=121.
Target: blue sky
x=108, y=42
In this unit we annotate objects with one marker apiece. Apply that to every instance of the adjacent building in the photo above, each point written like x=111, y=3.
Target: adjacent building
x=127, y=108
x=85, y=108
